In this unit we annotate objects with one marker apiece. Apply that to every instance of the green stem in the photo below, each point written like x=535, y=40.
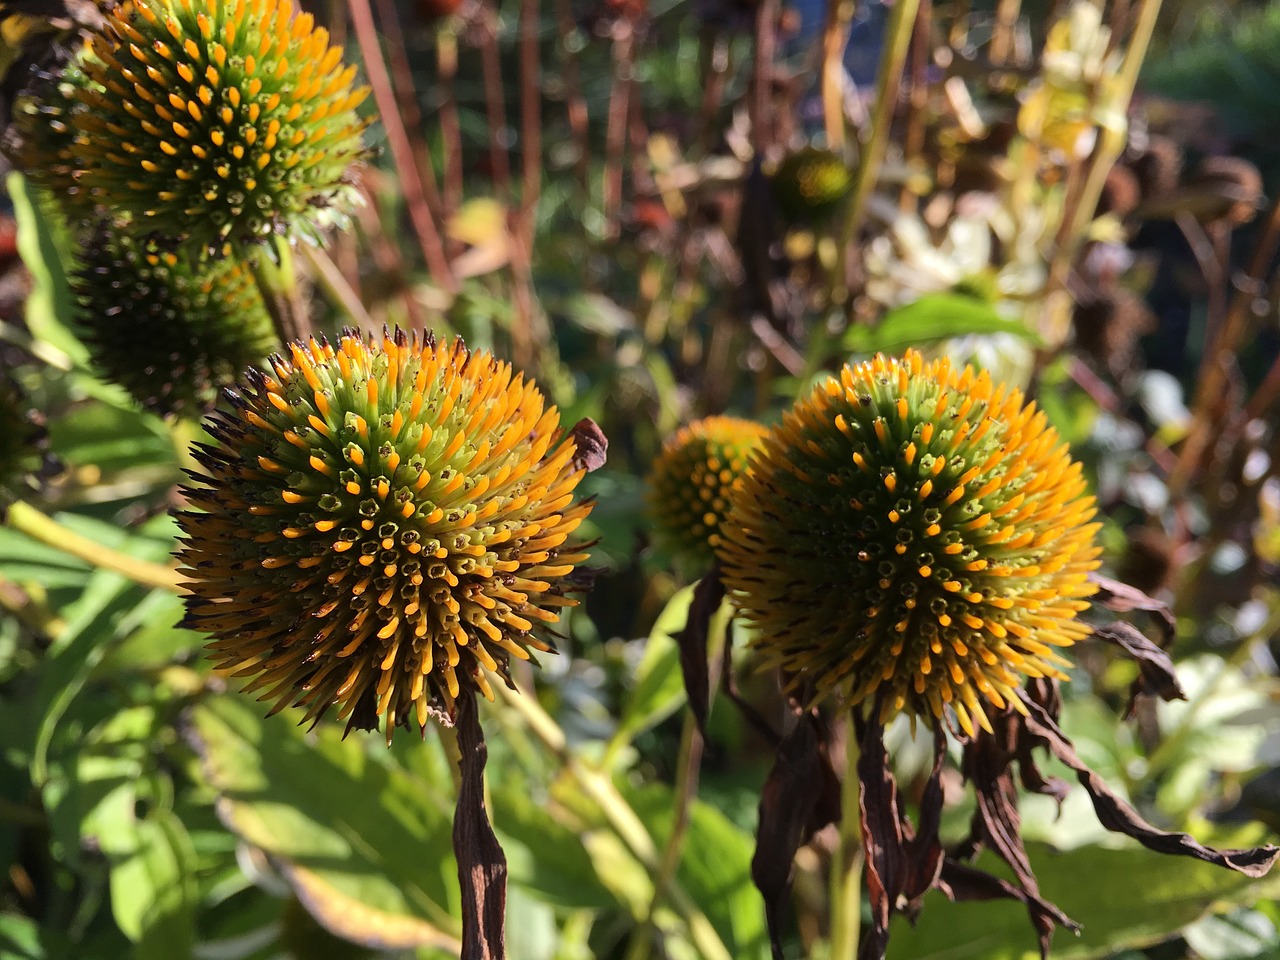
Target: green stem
x=622, y=819
x=274, y=271
x=901, y=27
x=336, y=288
x=38, y=526
x=847, y=860
x=1111, y=144
x=686, y=787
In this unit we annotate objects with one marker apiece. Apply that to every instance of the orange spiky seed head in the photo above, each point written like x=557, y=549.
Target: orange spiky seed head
x=217, y=123
x=913, y=533
x=172, y=331
x=691, y=479
x=383, y=521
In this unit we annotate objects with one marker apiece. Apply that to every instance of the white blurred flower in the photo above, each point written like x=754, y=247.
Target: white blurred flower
x=984, y=252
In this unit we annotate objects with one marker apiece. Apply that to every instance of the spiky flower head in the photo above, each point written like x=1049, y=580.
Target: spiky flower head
x=171, y=330
x=811, y=185
x=691, y=479
x=383, y=522
x=913, y=533
x=216, y=121
x=41, y=138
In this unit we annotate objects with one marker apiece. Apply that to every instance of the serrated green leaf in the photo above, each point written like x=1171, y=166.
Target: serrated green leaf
x=935, y=316
x=366, y=846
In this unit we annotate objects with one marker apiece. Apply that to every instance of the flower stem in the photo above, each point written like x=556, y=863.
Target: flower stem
x=40, y=527
x=847, y=859
x=898, y=33
x=622, y=819
x=273, y=270
x=686, y=787
x=337, y=289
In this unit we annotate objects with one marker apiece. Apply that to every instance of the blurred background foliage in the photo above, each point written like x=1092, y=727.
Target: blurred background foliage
x=617, y=196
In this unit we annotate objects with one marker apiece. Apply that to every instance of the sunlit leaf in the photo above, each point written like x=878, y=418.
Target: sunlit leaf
x=659, y=688
x=935, y=316
x=153, y=888
x=1122, y=898
x=366, y=846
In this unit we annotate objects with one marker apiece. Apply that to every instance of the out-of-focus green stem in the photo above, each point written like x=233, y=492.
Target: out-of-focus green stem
x=686, y=786
x=901, y=26
x=835, y=36
x=336, y=288
x=847, y=860
x=1111, y=143
x=274, y=271
x=28, y=520
x=622, y=819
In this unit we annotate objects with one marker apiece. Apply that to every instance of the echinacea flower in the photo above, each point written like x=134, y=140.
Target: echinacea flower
x=217, y=123
x=171, y=331
x=915, y=540
x=915, y=536
x=384, y=523
x=811, y=185
x=691, y=479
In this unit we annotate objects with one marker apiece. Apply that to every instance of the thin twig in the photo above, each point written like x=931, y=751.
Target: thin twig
x=901, y=26
x=412, y=184
x=26, y=519
x=835, y=37
x=847, y=858
x=575, y=102
x=491, y=68
x=619, y=814
x=450, y=126
x=762, y=126
x=335, y=285
x=714, y=56
x=615, y=135
x=1214, y=365
x=407, y=98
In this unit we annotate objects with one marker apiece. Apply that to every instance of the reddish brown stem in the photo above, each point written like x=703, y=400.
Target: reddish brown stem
x=762, y=88
x=575, y=102
x=1215, y=364
x=450, y=126
x=411, y=182
x=491, y=68
x=615, y=136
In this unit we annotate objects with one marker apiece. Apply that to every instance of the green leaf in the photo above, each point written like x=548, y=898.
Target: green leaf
x=715, y=868
x=19, y=938
x=935, y=316
x=659, y=686
x=366, y=846
x=543, y=856
x=153, y=889
x=1122, y=898
x=49, y=306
